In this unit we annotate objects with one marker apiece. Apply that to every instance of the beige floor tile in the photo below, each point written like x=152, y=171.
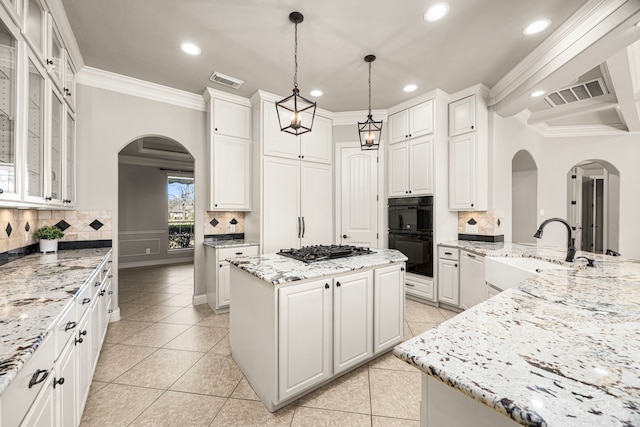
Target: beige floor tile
x=389, y=361
x=223, y=347
x=180, y=300
x=214, y=375
x=96, y=386
x=448, y=314
x=393, y=422
x=127, y=310
x=153, y=313
x=178, y=289
x=118, y=359
x=189, y=315
x=125, y=297
x=180, y=409
x=117, y=405
x=418, y=328
x=157, y=335
x=244, y=413
x=347, y=393
x=313, y=417
x=152, y=298
x=197, y=338
x=418, y=312
x=122, y=330
x=160, y=370
x=407, y=332
x=395, y=394
x=216, y=320
x=244, y=391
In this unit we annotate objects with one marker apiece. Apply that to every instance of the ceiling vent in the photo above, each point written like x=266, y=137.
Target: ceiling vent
x=577, y=92
x=225, y=80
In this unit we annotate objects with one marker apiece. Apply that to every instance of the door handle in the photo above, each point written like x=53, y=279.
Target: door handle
x=299, y=228
x=344, y=236
x=303, y=227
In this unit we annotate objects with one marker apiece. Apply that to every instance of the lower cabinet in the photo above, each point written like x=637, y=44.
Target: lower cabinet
x=448, y=277
x=43, y=410
x=218, y=274
x=66, y=385
x=325, y=327
x=472, y=284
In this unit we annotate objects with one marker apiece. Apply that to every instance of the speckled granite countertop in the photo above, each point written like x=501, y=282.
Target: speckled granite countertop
x=33, y=292
x=278, y=269
x=561, y=349
x=229, y=243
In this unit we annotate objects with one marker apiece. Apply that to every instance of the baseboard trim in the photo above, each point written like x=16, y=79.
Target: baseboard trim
x=115, y=315
x=200, y=299
x=153, y=262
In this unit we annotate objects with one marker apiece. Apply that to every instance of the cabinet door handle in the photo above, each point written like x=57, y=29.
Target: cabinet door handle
x=472, y=127
x=102, y=293
x=299, y=227
x=409, y=285
x=78, y=341
x=344, y=236
x=97, y=284
x=69, y=325
x=471, y=256
x=401, y=268
x=303, y=227
x=48, y=198
x=86, y=301
x=455, y=265
x=37, y=379
x=83, y=332
x=338, y=284
x=220, y=265
x=58, y=381
x=471, y=204
x=326, y=286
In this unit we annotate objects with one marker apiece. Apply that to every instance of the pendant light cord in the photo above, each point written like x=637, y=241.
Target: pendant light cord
x=369, y=89
x=295, y=58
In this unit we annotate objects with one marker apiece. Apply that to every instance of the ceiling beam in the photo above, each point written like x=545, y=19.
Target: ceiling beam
x=573, y=109
x=622, y=78
x=597, y=31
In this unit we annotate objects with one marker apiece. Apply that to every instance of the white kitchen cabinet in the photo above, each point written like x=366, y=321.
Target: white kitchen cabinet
x=298, y=204
x=462, y=167
x=83, y=349
x=412, y=122
x=462, y=116
x=411, y=167
x=229, y=133
x=448, y=276
x=472, y=284
x=304, y=331
x=490, y=291
x=388, y=313
x=420, y=286
x=43, y=412
x=35, y=26
x=66, y=385
x=217, y=274
x=231, y=184
x=352, y=320
x=9, y=168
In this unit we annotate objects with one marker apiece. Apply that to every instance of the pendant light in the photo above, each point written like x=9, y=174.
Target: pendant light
x=370, y=131
x=296, y=113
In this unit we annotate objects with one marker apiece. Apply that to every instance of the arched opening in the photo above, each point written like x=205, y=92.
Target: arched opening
x=593, y=209
x=524, y=197
x=156, y=212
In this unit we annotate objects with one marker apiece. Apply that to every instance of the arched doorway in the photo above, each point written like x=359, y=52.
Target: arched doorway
x=524, y=197
x=156, y=211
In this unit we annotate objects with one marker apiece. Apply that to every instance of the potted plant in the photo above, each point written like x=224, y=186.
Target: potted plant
x=48, y=236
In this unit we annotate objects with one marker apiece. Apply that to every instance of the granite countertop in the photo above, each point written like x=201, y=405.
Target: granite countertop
x=279, y=269
x=233, y=243
x=561, y=349
x=33, y=292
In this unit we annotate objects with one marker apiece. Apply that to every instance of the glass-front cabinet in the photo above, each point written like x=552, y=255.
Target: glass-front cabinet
x=55, y=59
x=70, y=161
x=35, y=26
x=8, y=155
x=34, y=172
x=55, y=148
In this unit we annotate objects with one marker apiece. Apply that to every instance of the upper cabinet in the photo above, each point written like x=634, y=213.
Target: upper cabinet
x=411, y=167
x=8, y=146
x=412, y=122
x=468, y=154
x=35, y=26
x=229, y=132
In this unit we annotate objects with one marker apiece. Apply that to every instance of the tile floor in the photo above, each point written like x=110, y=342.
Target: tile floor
x=168, y=363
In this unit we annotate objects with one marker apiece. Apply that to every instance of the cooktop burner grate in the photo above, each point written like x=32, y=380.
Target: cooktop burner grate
x=323, y=252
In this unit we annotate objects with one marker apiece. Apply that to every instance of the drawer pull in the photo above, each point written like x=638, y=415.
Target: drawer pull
x=239, y=253
x=448, y=253
x=338, y=284
x=110, y=292
x=110, y=276
x=105, y=270
x=69, y=325
x=97, y=284
x=409, y=285
x=36, y=379
x=110, y=311
x=86, y=301
x=58, y=381
x=110, y=261
x=471, y=256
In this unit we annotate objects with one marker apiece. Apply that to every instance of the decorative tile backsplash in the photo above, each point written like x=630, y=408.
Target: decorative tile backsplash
x=18, y=225
x=481, y=223
x=223, y=222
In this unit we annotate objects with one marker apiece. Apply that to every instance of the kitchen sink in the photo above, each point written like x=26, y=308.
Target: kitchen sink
x=504, y=273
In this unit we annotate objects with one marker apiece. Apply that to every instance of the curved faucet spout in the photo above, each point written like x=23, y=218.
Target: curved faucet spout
x=571, y=249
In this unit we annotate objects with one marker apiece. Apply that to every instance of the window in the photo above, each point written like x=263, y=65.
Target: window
x=180, y=192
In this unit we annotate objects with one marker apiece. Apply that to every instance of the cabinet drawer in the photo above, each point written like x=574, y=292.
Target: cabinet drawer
x=225, y=253
x=65, y=327
x=83, y=300
x=18, y=397
x=448, y=253
x=424, y=290
x=94, y=284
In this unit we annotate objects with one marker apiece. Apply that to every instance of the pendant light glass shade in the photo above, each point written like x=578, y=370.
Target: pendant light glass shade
x=296, y=113
x=370, y=131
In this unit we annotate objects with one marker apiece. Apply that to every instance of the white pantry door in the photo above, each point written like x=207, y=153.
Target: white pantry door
x=359, y=192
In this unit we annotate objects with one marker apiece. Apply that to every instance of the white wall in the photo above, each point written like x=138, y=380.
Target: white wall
x=107, y=122
x=524, y=199
x=554, y=157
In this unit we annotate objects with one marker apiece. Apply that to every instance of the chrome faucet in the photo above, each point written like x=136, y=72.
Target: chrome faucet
x=571, y=249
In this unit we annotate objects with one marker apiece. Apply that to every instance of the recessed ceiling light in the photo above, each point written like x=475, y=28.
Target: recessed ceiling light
x=537, y=93
x=190, y=48
x=436, y=12
x=536, y=27
x=638, y=24
x=316, y=92
x=409, y=88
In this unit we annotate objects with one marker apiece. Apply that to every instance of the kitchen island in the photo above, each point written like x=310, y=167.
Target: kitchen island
x=560, y=349
x=296, y=326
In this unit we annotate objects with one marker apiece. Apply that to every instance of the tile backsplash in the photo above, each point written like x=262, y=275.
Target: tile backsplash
x=481, y=223
x=18, y=225
x=223, y=222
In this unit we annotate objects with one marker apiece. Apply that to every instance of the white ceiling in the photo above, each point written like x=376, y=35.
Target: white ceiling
x=479, y=41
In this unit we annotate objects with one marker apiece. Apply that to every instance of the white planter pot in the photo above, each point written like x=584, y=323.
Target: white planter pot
x=48, y=245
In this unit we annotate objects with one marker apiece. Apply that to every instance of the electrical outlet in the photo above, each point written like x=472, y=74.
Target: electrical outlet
x=148, y=251
x=232, y=228
x=27, y=237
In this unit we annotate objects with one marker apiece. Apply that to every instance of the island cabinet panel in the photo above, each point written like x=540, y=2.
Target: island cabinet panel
x=353, y=320
x=305, y=319
x=388, y=327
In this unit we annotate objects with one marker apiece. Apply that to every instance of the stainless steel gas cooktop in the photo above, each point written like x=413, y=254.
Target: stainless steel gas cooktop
x=323, y=252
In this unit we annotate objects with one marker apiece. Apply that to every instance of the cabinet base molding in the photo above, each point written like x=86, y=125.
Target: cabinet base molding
x=450, y=307
x=115, y=315
x=200, y=299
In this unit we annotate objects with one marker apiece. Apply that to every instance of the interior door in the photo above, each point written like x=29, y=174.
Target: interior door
x=359, y=193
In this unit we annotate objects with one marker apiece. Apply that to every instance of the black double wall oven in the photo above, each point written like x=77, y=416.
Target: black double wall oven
x=411, y=232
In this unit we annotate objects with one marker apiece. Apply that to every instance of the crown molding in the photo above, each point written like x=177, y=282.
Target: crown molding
x=352, y=117
x=570, y=131
x=210, y=93
x=107, y=80
x=64, y=27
